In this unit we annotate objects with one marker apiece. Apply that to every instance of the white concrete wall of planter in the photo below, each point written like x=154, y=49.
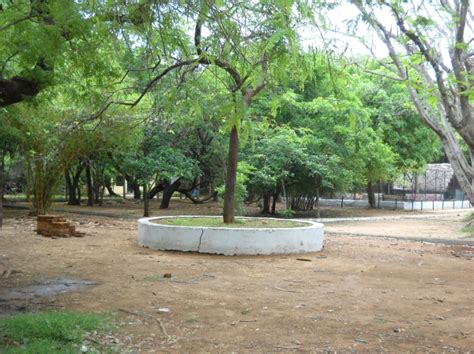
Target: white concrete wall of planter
x=230, y=241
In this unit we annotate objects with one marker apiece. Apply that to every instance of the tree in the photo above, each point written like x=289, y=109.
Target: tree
x=396, y=120
x=10, y=141
x=64, y=38
x=248, y=42
x=42, y=146
x=350, y=150
x=155, y=159
x=440, y=83
x=279, y=160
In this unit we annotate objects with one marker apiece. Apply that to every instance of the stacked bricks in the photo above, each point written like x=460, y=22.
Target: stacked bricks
x=56, y=226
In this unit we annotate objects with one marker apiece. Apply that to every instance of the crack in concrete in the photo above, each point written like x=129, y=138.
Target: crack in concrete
x=200, y=240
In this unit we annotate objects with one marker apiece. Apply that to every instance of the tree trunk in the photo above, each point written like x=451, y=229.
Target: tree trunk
x=97, y=188
x=79, y=193
x=124, y=191
x=67, y=185
x=44, y=179
x=2, y=182
x=169, y=189
x=146, y=201
x=70, y=190
x=90, y=191
x=231, y=177
x=74, y=197
x=285, y=197
x=108, y=186
x=266, y=204
x=371, y=195
x=98, y=180
x=133, y=184
x=155, y=191
x=101, y=199
x=136, y=190
x=274, y=202
x=318, y=209
x=17, y=89
x=465, y=178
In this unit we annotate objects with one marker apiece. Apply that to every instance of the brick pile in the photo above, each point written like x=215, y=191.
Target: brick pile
x=56, y=226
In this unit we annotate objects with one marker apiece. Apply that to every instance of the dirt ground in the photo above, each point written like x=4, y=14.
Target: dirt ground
x=445, y=226
x=130, y=208
x=361, y=293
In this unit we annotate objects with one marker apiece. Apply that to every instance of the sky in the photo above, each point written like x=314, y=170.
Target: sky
x=338, y=39
x=337, y=20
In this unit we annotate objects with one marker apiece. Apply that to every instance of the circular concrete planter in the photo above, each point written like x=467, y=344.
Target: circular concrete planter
x=230, y=241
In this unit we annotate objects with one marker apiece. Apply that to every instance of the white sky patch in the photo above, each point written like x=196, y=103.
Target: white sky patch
x=334, y=34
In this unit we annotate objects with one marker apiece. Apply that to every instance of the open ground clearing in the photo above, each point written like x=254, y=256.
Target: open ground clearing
x=360, y=293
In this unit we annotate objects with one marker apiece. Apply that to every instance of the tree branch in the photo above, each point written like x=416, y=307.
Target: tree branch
x=17, y=21
x=196, y=200
x=206, y=59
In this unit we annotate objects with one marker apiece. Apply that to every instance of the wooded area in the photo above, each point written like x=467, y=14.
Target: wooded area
x=223, y=97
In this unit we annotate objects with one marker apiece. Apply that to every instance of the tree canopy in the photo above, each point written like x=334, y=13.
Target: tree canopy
x=149, y=92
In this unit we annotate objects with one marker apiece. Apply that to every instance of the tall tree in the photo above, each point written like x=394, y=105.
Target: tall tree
x=248, y=42
x=10, y=141
x=431, y=49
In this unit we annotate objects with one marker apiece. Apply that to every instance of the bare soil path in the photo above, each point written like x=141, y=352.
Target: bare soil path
x=436, y=227
x=361, y=293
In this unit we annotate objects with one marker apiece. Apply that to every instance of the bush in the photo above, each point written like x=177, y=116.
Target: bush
x=286, y=213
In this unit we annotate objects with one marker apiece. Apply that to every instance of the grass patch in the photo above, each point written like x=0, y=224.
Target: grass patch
x=239, y=223
x=155, y=278
x=47, y=332
x=469, y=227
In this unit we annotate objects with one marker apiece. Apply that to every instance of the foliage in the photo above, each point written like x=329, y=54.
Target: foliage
x=309, y=123
x=431, y=55
x=395, y=119
x=158, y=156
x=469, y=227
x=286, y=213
x=347, y=152
x=66, y=43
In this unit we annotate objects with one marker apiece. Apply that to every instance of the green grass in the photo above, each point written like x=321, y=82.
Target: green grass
x=239, y=223
x=155, y=278
x=469, y=227
x=47, y=332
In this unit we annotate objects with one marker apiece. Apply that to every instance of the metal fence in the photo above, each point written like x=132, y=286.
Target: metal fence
x=434, y=189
